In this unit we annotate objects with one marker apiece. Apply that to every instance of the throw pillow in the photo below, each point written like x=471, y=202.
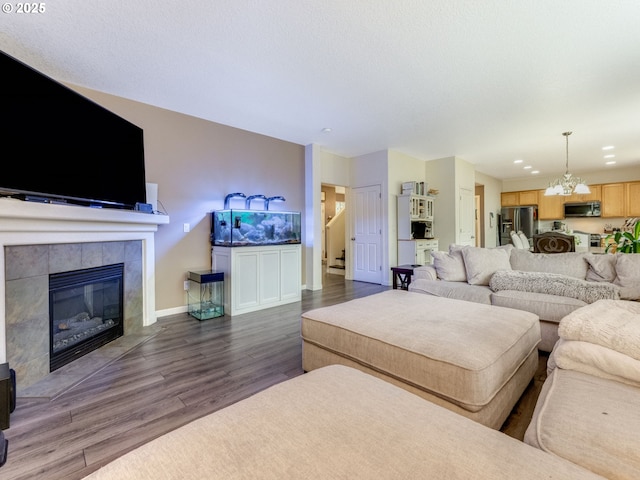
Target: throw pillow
x=455, y=248
x=481, y=263
x=628, y=275
x=449, y=266
x=508, y=247
x=602, y=268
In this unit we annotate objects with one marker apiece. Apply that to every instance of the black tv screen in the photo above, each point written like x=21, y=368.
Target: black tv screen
x=61, y=146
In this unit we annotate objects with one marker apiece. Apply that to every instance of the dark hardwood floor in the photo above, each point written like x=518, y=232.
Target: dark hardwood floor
x=184, y=369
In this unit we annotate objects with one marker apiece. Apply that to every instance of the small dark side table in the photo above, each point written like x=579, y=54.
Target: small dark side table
x=402, y=276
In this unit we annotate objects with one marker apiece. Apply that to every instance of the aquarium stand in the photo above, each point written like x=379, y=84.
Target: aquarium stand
x=259, y=277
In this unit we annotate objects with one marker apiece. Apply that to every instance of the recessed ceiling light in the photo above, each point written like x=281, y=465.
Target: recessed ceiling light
x=535, y=172
x=528, y=167
x=609, y=156
x=608, y=147
x=326, y=130
x=610, y=162
x=518, y=161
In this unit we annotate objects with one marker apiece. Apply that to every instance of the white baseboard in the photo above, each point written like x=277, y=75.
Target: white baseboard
x=171, y=311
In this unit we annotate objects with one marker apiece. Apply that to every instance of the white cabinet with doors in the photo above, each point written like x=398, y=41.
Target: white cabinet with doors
x=258, y=277
x=416, y=252
x=418, y=207
x=415, y=217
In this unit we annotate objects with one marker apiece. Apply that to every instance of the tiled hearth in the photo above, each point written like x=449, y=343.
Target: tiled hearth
x=27, y=269
x=38, y=239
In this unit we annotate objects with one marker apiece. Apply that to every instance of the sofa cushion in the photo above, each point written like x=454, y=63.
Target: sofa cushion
x=449, y=266
x=551, y=308
x=481, y=263
x=628, y=275
x=455, y=290
x=572, y=264
x=427, y=272
x=589, y=421
x=554, y=284
x=602, y=268
x=508, y=247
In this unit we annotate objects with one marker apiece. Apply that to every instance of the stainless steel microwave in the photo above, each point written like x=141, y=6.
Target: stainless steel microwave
x=584, y=209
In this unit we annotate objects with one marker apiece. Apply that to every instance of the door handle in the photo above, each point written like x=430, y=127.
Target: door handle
x=353, y=239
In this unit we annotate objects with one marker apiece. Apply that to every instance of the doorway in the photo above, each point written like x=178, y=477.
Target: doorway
x=479, y=218
x=334, y=244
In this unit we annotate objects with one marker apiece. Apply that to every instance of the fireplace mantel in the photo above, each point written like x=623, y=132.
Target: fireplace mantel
x=29, y=223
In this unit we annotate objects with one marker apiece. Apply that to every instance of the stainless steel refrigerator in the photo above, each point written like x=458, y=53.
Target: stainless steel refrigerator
x=523, y=219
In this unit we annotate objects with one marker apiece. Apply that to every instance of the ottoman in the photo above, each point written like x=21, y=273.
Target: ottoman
x=473, y=359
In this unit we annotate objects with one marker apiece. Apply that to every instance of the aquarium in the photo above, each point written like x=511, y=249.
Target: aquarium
x=239, y=228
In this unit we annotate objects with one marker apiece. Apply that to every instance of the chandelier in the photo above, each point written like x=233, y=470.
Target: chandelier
x=567, y=184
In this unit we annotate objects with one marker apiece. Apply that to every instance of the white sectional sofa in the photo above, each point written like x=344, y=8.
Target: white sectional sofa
x=587, y=411
x=549, y=285
x=337, y=423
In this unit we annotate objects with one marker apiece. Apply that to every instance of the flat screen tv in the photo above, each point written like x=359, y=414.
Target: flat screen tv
x=59, y=146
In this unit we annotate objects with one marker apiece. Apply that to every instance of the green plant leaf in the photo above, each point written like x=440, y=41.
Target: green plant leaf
x=624, y=242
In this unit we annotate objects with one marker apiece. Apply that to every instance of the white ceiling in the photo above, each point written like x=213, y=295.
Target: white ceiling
x=489, y=81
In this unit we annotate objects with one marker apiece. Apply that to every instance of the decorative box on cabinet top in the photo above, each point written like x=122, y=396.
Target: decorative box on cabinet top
x=237, y=228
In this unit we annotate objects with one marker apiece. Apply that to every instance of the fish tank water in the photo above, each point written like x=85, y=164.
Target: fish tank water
x=239, y=228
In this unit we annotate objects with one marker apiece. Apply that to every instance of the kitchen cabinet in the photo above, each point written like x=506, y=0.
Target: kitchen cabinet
x=594, y=196
x=509, y=199
x=258, y=277
x=529, y=197
x=517, y=199
x=550, y=207
x=632, y=197
x=613, y=200
x=617, y=200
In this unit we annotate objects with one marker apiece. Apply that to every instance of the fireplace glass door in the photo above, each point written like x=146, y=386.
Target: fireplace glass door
x=86, y=311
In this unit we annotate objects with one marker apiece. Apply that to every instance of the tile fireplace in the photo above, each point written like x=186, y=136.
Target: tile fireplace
x=37, y=240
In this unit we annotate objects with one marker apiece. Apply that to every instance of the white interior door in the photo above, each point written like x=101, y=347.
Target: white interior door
x=466, y=218
x=477, y=220
x=367, y=238
x=324, y=232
